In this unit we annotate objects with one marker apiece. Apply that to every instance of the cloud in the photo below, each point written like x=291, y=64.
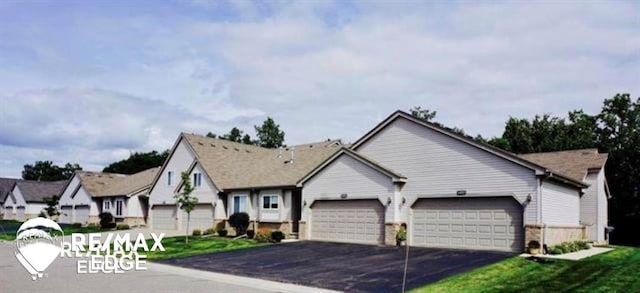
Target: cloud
x=128, y=79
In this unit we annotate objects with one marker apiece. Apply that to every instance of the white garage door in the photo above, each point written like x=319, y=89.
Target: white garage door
x=164, y=217
x=20, y=213
x=82, y=214
x=8, y=213
x=201, y=217
x=493, y=223
x=66, y=215
x=355, y=221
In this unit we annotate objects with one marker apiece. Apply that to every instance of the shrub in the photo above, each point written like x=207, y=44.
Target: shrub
x=76, y=225
x=106, y=221
x=555, y=250
x=277, y=236
x=92, y=225
x=568, y=247
x=251, y=234
x=196, y=232
x=209, y=231
x=263, y=237
x=222, y=232
x=42, y=215
x=122, y=227
x=401, y=235
x=240, y=222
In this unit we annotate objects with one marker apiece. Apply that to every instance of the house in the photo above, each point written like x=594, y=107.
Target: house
x=588, y=166
x=28, y=197
x=127, y=199
x=448, y=190
x=77, y=203
x=5, y=189
x=230, y=177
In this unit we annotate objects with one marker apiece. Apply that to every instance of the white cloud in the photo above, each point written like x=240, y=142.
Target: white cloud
x=321, y=70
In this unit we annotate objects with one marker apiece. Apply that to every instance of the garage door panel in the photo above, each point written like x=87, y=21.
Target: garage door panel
x=360, y=221
x=66, y=215
x=81, y=214
x=201, y=217
x=472, y=223
x=164, y=217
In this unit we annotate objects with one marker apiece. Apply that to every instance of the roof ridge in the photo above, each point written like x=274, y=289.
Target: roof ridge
x=564, y=151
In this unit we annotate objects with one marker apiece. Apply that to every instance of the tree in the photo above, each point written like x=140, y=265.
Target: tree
x=269, y=134
x=211, y=135
x=246, y=139
x=234, y=135
x=137, y=162
x=185, y=201
x=423, y=114
x=240, y=222
x=51, y=210
x=47, y=171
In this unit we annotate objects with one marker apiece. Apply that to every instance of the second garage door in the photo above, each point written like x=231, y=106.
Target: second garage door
x=201, y=217
x=355, y=221
x=20, y=216
x=491, y=223
x=164, y=217
x=82, y=214
x=66, y=215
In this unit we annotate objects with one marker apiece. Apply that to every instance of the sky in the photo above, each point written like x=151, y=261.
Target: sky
x=89, y=82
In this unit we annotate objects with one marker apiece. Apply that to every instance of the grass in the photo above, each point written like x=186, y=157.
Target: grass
x=618, y=270
x=175, y=246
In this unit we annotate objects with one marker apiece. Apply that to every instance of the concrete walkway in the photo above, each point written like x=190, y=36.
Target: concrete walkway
x=578, y=255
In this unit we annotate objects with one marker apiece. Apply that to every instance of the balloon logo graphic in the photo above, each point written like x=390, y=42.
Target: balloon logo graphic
x=39, y=243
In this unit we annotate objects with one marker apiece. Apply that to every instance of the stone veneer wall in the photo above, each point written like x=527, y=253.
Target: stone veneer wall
x=553, y=234
x=390, y=230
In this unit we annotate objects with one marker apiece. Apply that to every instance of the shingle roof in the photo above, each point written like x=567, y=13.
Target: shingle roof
x=573, y=163
x=36, y=191
x=96, y=182
x=128, y=185
x=235, y=166
x=5, y=187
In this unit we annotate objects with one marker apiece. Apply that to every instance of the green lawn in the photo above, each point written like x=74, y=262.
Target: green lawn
x=11, y=225
x=615, y=271
x=175, y=246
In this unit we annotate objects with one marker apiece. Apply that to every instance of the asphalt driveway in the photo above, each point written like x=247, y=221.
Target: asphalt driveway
x=345, y=267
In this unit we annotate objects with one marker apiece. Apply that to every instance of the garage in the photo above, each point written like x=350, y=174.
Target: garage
x=201, y=217
x=163, y=217
x=488, y=223
x=354, y=221
x=82, y=214
x=8, y=213
x=66, y=215
x=20, y=213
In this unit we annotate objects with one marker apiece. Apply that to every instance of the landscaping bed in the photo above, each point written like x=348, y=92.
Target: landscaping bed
x=617, y=270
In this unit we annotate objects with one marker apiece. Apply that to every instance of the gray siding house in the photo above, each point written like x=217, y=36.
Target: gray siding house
x=448, y=190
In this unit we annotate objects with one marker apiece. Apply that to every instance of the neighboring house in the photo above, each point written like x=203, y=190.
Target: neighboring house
x=28, y=197
x=5, y=189
x=77, y=203
x=586, y=165
x=127, y=199
x=449, y=190
x=230, y=177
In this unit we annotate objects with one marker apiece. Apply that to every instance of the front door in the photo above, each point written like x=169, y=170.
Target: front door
x=296, y=209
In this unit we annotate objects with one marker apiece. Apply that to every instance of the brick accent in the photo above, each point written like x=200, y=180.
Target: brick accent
x=390, y=230
x=553, y=234
x=284, y=226
x=302, y=230
x=133, y=221
x=558, y=234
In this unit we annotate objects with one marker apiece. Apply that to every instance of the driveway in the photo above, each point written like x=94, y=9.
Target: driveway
x=344, y=267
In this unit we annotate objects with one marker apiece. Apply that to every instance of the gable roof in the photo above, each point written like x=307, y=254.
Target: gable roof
x=131, y=184
x=36, y=191
x=96, y=182
x=234, y=165
x=6, y=184
x=540, y=170
x=396, y=177
x=574, y=163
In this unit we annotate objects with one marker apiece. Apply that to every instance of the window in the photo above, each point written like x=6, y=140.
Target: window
x=106, y=205
x=240, y=204
x=119, y=204
x=270, y=202
x=197, y=179
x=169, y=177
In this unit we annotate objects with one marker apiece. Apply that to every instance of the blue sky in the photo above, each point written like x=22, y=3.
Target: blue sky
x=91, y=81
